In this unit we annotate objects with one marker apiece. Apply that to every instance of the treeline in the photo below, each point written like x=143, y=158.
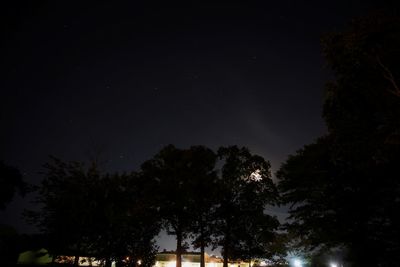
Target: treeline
x=213, y=198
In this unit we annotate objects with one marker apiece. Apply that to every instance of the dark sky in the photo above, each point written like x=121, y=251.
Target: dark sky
x=123, y=80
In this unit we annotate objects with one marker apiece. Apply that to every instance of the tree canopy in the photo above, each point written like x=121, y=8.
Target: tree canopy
x=245, y=189
x=86, y=212
x=344, y=188
x=179, y=178
x=216, y=199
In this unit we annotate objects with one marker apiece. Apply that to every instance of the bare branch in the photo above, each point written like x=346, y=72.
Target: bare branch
x=388, y=75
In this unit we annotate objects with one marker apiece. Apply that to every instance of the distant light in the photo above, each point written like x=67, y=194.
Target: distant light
x=333, y=264
x=297, y=263
x=139, y=262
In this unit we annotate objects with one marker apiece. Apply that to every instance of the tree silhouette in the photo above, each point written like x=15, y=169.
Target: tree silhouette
x=176, y=173
x=256, y=237
x=84, y=212
x=345, y=186
x=203, y=197
x=66, y=199
x=245, y=187
x=125, y=222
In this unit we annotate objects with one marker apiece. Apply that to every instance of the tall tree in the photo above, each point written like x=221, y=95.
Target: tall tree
x=66, y=198
x=125, y=222
x=309, y=182
x=203, y=197
x=345, y=186
x=245, y=188
x=178, y=175
x=85, y=212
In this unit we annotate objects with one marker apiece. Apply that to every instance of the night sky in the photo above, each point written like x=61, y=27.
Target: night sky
x=121, y=81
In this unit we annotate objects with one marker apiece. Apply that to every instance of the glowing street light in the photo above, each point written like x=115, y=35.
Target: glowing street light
x=333, y=264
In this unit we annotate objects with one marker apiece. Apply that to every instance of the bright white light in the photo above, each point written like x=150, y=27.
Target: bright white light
x=139, y=262
x=256, y=176
x=171, y=264
x=297, y=263
x=333, y=264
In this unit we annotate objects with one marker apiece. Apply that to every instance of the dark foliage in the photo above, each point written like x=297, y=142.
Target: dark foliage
x=345, y=188
x=177, y=176
x=115, y=217
x=243, y=230
x=86, y=213
x=11, y=182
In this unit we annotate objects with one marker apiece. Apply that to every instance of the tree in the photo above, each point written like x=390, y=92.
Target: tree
x=258, y=237
x=87, y=213
x=203, y=197
x=344, y=188
x=126, y=223
x=175, y=174
x=245, y=187
x=311, y=175
x=66, y=199
x=10, y=182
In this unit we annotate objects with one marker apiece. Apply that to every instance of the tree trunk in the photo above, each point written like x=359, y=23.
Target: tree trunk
x=108, y=262
x=53, y=260
x=202, y=258
x=226, y=250
x=227, y=243
x=225, y=264
x=76, y=260
x=78, y=251
x=202, y=247
x=178, y=249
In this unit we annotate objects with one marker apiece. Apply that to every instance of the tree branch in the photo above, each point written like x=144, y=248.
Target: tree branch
x=388, y=75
